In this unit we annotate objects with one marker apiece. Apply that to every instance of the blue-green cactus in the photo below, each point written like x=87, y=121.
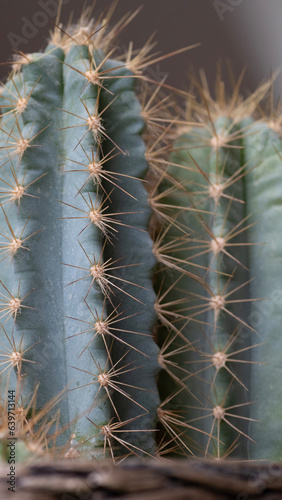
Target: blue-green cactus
x=72, y=280
x=229, y=165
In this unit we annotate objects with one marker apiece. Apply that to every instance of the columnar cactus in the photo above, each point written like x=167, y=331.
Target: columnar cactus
x=128, y=278
x=76, y=253
x=229, y=167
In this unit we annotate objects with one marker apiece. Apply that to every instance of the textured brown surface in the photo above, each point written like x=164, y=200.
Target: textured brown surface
x=132, y=480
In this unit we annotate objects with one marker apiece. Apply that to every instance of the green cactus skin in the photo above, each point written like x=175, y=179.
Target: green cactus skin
x=263, y=151
x=83, y=221
x=132, y=244
x=39, y=266
x=208, y=327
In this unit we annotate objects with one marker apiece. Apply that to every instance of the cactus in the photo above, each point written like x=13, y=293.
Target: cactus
x=76, y=253
x=229, y=168
x=129, y=279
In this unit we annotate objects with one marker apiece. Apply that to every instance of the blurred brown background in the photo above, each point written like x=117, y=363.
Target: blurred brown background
x=248, y=32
